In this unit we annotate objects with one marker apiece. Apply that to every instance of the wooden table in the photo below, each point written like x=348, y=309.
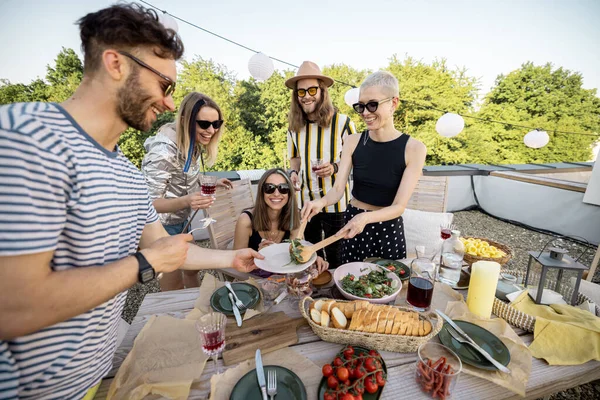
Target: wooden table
x=544, y=379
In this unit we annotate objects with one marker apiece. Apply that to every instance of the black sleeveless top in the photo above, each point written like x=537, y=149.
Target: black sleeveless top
x=255, y=238
x=377, y=169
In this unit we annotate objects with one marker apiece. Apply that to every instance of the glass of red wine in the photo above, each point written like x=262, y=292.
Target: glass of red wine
x=208, y=187
x=422, y=278
x=315, y=164
x=446, y=231
x=212, y=335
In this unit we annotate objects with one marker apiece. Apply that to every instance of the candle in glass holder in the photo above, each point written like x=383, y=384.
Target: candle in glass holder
x=482, y=287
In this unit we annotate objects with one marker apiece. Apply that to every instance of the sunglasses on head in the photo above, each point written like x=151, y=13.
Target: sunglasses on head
x=269, y=188
x=311, y=91
x=168, y=87
x=371, y=106
x=205, y=124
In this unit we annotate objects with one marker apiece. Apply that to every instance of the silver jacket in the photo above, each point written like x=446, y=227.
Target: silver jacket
x=163, y=170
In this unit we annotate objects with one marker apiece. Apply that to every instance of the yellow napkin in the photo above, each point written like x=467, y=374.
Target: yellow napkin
x=208, y=287
x=563, y=334
x=165, y=359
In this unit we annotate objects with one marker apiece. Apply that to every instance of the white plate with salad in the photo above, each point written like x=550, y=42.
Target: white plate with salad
x=366, y=281
x=278, y=260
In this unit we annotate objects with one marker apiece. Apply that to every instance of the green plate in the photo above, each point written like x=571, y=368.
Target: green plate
x=289, y=386
x=398, y=265
x=366, y=396
x=484, y=338
x=248, y=294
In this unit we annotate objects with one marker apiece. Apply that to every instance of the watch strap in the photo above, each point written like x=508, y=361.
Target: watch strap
x=145, y=270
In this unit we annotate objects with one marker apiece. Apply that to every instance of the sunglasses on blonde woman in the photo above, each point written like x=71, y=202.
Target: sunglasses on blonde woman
x=205, y=124
x=371, y=106
x=269, y=188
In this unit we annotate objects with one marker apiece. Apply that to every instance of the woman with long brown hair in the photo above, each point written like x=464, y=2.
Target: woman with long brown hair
x=175, y=157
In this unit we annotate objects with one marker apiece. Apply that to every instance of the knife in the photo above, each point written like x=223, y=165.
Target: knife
x=236, y=312
x=260, y=374
x=472, y=343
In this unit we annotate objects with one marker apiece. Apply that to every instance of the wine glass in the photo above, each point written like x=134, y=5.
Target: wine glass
x=212, y=334
x=446, y=231
x=208, y=187
x=315, y=164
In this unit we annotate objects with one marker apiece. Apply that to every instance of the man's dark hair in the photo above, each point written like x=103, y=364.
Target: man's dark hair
x=125, y=27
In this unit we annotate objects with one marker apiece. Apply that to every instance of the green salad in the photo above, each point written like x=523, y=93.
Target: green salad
x=374, y=285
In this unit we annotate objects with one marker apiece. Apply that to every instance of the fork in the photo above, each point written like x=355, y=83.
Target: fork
x=272, y=383
x=456, y=336
x=241, y=306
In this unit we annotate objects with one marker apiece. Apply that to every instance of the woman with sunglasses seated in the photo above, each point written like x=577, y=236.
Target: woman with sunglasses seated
x=386, y=167
x=174, y=160
x=274, y=218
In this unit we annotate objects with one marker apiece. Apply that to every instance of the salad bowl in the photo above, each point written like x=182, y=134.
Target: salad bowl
x=359, y=269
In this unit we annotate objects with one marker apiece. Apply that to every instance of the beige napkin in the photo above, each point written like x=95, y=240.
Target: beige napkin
x=165, y=359
x=520, y=356
x=309, y=373
x=208, y=287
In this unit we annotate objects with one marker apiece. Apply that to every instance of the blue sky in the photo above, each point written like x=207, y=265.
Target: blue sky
x=487, y=37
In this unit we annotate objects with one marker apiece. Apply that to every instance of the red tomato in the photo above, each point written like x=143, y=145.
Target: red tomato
x=327, y=370
x=359, y=372
x=347, y=396
x=370, y=365
x=391, y=267
x=379, y=378
x=347, y=382
x=351, y=277
x=338, y=362
x=359, y=388
x=402, y=272
x=343, y=374
x=368, y=295
x=329, y=396
x=371, y=386
x=332, y=382
x=373, y=353
x=349, y=351
x=358, y=396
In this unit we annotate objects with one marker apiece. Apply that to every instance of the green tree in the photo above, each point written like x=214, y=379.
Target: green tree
x=65, y=77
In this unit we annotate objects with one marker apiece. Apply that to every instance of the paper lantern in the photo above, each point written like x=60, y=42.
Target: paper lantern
x=536, y=139
x=450, y=125
x=168, y=21
x=261, y=67
x=351, y=96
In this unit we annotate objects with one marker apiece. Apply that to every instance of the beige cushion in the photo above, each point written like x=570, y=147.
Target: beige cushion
x=422, y=228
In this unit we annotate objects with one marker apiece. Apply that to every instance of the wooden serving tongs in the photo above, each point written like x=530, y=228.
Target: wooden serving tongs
x=302, y=254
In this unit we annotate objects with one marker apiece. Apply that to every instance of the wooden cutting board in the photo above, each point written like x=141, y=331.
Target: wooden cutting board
x=267, y=332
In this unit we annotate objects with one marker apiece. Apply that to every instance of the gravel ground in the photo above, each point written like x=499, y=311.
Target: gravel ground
x=470, y=223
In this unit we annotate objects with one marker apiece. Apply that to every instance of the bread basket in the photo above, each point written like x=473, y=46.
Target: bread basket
x=470, y=259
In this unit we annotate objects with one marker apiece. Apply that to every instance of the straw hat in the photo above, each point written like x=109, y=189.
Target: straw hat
x=308, y=70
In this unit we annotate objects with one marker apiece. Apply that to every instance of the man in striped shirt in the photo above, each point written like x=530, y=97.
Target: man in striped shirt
x=315, y=139
x=74, y=210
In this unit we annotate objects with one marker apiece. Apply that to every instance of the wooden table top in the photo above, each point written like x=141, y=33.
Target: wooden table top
x=544, y=379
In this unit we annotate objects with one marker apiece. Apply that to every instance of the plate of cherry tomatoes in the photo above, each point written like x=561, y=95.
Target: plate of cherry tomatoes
x=356, y=373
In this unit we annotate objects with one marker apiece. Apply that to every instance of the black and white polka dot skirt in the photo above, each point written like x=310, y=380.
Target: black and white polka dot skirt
x=381, y=239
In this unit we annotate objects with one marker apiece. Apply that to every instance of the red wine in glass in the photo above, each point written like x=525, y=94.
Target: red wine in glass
x=213, y=342
x=208, y=189
x=446, y=233
x=420, y=292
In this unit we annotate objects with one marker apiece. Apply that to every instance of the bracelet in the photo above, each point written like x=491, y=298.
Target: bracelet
x=335, y=168
x=293, y=170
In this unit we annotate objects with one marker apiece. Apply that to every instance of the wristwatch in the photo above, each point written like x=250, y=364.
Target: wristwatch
x=146, y=272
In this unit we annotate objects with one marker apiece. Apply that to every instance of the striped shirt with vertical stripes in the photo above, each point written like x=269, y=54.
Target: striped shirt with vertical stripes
x=314, y=142
x=60, y=191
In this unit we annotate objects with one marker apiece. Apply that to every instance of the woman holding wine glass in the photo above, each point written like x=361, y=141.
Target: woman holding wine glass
x=274, y=218
x=386, y=165
x=172, y=166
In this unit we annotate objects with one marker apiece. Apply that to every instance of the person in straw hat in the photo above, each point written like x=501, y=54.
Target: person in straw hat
x=316, y=135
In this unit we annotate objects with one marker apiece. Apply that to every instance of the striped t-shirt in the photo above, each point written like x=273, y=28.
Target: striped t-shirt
x=61, y=191
x=314, y=142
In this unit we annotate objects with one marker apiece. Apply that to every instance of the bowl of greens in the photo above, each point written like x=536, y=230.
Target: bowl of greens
x=366, y=281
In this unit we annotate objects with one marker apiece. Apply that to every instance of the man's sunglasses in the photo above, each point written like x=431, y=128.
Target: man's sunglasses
x=168, y=87
x=269, y=188
x=205, y=124
x=311, y=91
x=371, y=106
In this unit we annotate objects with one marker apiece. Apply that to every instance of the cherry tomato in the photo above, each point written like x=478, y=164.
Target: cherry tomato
x=371, y=386
x=329, y=396
x=368, y=295
x=358, y=396
x=373, y=353
x=347, y=396
x=347, y=382
x=351, y=277
x=379, y=378
x=327, y=370
x=402, y=272
x=343, y=374
x=338, y=362
x=349, y=350
x=359, y=388
x=370, y=365
x=332, y=382
x=391, y=267
x=359, y=372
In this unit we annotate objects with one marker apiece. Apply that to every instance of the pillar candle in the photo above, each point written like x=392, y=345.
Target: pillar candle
x=482, y=287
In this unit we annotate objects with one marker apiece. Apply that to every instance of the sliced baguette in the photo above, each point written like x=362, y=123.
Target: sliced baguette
x=427, y=327
x=324, y=318
x=361, y=320
x=349, y=309
x=339, y=319
x=315, y=316
x=355, y=320
x=319, y=304
x=383, y=319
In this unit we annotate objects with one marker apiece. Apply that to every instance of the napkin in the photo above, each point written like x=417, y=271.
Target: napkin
x=520, y=356
x=165, y=359
x=208, y=287
x=563, y=334
x=309, y=373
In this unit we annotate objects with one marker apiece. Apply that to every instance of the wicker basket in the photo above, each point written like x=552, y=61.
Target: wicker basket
x=525, y=321
x=377, y=341
x=469, y=259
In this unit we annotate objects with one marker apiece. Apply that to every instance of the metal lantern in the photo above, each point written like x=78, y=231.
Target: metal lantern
x=554, y=259
x=536, y=139
x=351, y=96
x=450, y=125
x=261, y=67
x=168, y=21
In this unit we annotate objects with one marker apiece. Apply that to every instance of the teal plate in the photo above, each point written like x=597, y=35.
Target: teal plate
x=484, y=338
x=289, y=386
x=401, y=269
x=248, y=294
x=366, y=396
